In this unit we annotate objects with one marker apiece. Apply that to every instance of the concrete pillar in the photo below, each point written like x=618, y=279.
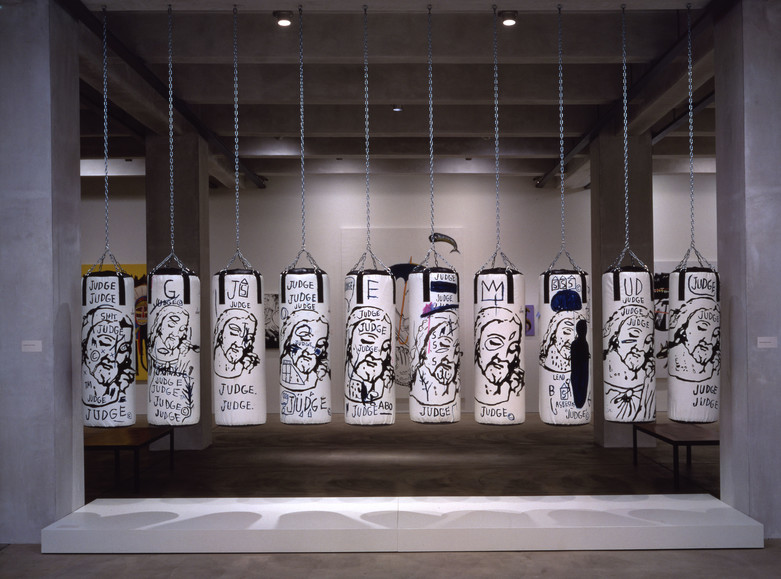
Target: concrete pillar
x=41, y=439
x=191, y=234
x=607, y=241
x=748, y=149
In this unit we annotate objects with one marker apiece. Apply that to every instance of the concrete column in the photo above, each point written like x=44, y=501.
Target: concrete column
x=748, y=149
x=41, y=439
x=191, y=234
x=607, y=241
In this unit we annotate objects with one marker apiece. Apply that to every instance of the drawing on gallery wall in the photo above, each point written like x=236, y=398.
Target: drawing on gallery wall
x=304, y=355
x=694, y=352
x=234, y=343
x=529, y=320
x=271, y=319
x=368, y=363
x=441, y=237
x=435, y=366
x=497, y=354
x=403, y=354
x=107, y=354
x=629, y=363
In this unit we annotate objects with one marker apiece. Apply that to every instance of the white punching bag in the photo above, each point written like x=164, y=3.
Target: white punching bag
x=369, y=396
x=108, y=373
x=435, y=391
x=238, y=348
x=565, y=348
x=694, y=345
x=174, y=332
x=500, y=315
x=304, y=334
x=628, y=359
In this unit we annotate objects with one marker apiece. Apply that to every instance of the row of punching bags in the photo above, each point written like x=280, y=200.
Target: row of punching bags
x=427, y=351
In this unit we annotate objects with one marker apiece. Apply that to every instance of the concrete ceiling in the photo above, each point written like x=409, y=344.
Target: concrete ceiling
x=462, y=83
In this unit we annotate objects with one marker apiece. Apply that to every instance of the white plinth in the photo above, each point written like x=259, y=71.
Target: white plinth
x=262, y=525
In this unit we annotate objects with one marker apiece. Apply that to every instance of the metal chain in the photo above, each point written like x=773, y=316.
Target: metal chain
x=303, y=250
x=106, y=249
x=366, y=119
x=430, y=126
x=105, y=120
x=171, y=121
x=690, y=67
x=301, y=119
x=496, y=126
x=360, y=264
x=237, y=254
x=690, y=75
x=498, y=250
x=626, y=250
x=432, y=249
x=562, y=178
x=236, y=114
x=626, y=127
x=171, y=255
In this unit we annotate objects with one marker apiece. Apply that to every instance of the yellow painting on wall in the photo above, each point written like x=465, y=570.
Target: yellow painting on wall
x=138, y=271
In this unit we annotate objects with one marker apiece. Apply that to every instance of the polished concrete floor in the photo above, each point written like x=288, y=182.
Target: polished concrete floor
x=404, y=459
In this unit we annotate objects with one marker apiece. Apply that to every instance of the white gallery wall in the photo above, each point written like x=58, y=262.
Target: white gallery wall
x=335, y=209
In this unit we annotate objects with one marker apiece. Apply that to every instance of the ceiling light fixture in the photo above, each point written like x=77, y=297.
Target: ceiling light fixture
x=508, y=17
x=397, y=108
x=284, y=17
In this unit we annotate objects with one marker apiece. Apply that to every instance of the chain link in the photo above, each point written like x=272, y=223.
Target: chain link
x=360, y=264
x=366, y=119
x=626, y=127
x=562, y=176
x=690, y=66
x=430, y=125
x=236, y=114
x=301, y=120
x=303, y=250
x=171, y=255
x=498, y=250
x=496, y=125
x=105, y=119
x=690, y=74
x=432, y=249
x=171, y=122
x=237, y=254
x=624, y=100
x=107, y=248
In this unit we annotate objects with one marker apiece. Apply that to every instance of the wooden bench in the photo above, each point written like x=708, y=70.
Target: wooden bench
x=128, y=438
x=677, y=434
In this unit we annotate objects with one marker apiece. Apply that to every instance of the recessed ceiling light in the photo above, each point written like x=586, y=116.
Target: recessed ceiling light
x=508, y=17
x=397, y=108
x=284, y=17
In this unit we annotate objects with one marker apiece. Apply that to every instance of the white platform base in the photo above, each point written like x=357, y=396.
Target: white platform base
x=260, y=525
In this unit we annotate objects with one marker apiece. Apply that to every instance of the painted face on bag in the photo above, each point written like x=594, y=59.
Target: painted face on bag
x=108, y=348
x=236, y=337
x=172, y=333
x=499, y=348
x=702, y=335
x=373, y=351
x=308, y=344
x=440, y=351
x=631, y=345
